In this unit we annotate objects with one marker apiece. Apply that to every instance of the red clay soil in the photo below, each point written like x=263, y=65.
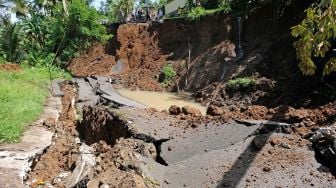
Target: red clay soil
x=60, y=156
x=10, y=67
x=139, y=52
x=94, y=62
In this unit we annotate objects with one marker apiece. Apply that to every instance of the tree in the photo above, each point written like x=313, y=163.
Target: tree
x=118, y=10
x=11, y=43
x=317, y=34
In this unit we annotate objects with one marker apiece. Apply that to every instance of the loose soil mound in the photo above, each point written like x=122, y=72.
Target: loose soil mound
x=94, y=62
x=62, y=155
x=140, y=51
x=10, y=67
x=141, y=58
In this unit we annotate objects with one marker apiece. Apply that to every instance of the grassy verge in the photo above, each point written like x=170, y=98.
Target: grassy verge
x=22, y=95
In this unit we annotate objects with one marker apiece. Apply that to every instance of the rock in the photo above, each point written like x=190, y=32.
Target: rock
x=214, y=111
x=297, y=115
x=324, y=145
x=104, y=186
x=285, y=145
x=174, y=110
x=266, y=169
x=187, y=110
x=274, y=141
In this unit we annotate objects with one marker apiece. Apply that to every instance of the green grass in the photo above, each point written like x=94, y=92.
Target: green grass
x=241, y=83
x=22, y=95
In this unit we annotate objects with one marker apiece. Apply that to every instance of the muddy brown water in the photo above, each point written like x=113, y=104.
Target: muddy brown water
x=162, y=100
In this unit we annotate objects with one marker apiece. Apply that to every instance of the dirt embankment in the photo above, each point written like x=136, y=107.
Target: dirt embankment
x=138, y=56
x=62, y=154
x=94, y=62
x=268, y=59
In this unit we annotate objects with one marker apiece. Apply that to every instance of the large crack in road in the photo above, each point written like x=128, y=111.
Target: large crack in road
x=120, y=143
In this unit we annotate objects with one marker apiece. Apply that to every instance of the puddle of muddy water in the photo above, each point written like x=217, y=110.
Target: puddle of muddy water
x=162, y=100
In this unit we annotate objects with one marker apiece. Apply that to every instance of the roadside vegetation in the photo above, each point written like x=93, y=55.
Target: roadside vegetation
x=167, y=75
x=22, y=95
x=43, y=39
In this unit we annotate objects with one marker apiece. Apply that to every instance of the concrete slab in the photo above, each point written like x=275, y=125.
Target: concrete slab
x=240, y=165
x=154, y=125
x=56, y=88
x=122, y=101
x=85, y=91
x=204, y=139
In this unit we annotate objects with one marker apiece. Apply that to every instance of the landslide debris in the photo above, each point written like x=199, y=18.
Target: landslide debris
x=138, y=53
x=100, y=149
x=95, y=61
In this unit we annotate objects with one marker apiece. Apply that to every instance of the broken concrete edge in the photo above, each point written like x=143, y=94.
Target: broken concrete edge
x=56, y=88
x=94, y=90
x=132, y=133
x=83, y=166
x=21, y=157
x=267, y=126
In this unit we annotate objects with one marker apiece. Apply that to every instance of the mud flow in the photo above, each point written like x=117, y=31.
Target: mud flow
x=162, y=100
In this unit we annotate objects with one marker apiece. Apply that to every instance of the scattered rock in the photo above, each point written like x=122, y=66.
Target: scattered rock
x=187, y=110
x=274, y=141
x=324, y=145
x=285, y=145
x=174, y=110
x=266, y=169
x=214, y=111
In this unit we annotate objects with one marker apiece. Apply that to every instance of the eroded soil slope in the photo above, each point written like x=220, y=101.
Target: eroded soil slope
x=138, y=55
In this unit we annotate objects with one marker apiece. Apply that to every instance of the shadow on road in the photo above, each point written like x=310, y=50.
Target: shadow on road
x=242, y=164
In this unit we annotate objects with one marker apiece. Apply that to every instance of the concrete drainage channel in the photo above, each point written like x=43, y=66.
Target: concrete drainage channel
x=119, y=143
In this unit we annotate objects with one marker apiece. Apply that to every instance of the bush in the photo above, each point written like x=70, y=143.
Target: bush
x=196, y=13
x=167, y=75
x=241, y=83
x=58, y=38
x=317, y=34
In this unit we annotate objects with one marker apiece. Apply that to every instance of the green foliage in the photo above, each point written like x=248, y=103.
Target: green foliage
x=11, y=43
x=225, y=5
x=117, y=10
x=196, y=13
x=316, y=34
x=167, y=75
x=22, y=95
x=168, y=72
x=241, y=83
x=58, y=38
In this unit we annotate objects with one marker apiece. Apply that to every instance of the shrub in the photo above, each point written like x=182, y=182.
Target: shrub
x=317, y=34
x=245, y=83
x=167, y=75
x=196, y=13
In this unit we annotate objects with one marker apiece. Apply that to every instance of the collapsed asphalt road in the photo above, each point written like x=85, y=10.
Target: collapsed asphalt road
x=120, y=143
